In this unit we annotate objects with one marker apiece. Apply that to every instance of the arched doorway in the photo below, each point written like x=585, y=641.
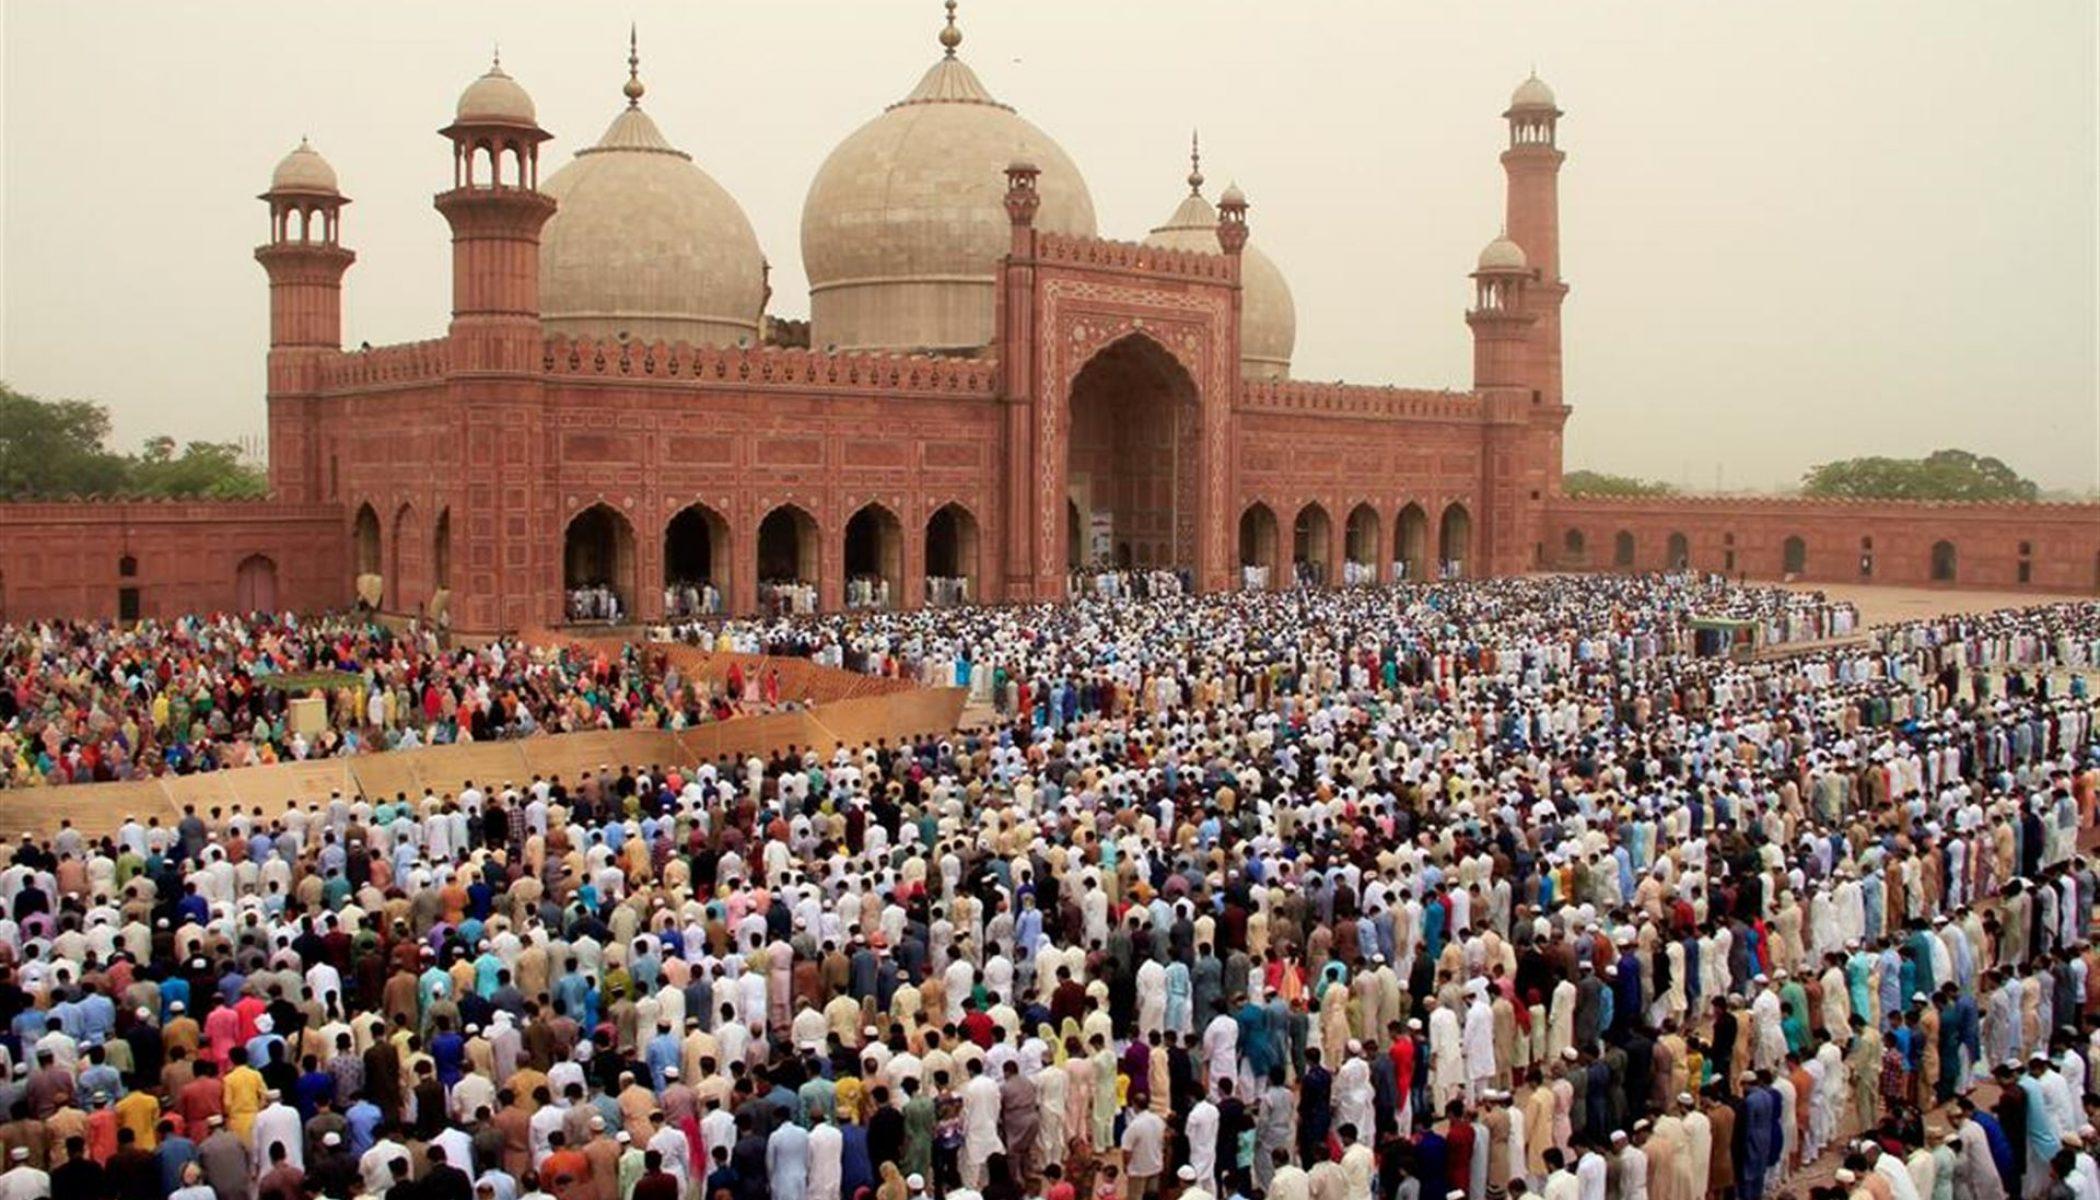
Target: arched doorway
x=787, y=561
x=1311, y=535
x=1411, y=543
x=255, y=584
x=367, y=584
x=951, y=556
x=1131, y=448
x=1793, y=556
x=1259, y=546
x=1360, y=543
x=1622, y=550
x=1076, y=553
x=1454, y=542
x=598, y=566
x=1574, y=549
x=874, y=558
x=1943, y=562
x=404, y=576
x=441, y=552
x=696, y=562
x=1680, y=555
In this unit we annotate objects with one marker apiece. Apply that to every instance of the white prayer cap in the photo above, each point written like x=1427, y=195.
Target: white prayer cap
x=1618, y=1135
x=1568, y=1052
x=915, y=1181
x=1846, y=1176
x=331, y=1138
x=622, y=1136
x=1684, y=1097
x=1186, y=1174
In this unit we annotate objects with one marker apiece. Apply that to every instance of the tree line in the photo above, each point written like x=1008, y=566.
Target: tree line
x=1940, y=475
x=54, y=449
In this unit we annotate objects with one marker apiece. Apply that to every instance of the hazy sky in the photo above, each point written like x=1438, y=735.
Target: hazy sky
x=1794, y=230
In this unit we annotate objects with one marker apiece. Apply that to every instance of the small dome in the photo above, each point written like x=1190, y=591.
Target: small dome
x=906, y=221
x=1232, y=195
x=645, y=243
x=1532, y=93
x=1503, y=255
x=1268, y=315
x=303, y=170
x=496, y=98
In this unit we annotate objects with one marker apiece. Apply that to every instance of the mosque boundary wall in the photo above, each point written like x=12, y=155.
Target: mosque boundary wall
x=100, y=808
x=2039, y=546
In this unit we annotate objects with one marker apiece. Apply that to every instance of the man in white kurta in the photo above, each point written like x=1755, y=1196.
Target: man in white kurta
x=827, y=1147
x=1447, y=1066
x=1478, y=1041
x=278, y=1122
x=1201, y=1129
x=980, y=1125
x=1221, y=1049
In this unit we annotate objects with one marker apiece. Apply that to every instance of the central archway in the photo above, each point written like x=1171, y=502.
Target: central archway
x=696, y=562
x=255, y=584
x=1131, y=447
x=787, y=561
x=597, y=566
x=874, y=558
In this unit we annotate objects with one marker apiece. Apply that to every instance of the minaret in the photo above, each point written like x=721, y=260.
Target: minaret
x=305, y=261
x=1532, y=163
x=1018, y=575
x=496, y=211
x=1500, y=321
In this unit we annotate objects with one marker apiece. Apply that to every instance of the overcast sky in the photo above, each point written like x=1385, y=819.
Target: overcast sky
x=1795, y=230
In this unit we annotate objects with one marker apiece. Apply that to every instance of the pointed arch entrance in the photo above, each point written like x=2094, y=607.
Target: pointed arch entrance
x=787, y=561
x=1361, y=542
x=1312, y=537
x=255, y=584
x=1680, y=554
x=1132, y=445
x=367, y=585
x=874, y=558
x=1454, y=544
x=951, y=556
x=696, y=562
x=1411, y=543
x=598, y=566
x=1261, y=557
x=404, y=575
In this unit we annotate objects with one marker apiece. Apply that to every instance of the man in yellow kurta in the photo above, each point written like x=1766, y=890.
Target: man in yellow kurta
x=243, y=1098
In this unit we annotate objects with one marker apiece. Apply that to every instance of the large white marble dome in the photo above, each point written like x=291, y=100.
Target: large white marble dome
x=644, y=243
x=906, y=221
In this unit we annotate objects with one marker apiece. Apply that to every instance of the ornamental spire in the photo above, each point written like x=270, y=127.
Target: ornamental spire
x=951, y=37
x=633, y=89
x=1195, y=165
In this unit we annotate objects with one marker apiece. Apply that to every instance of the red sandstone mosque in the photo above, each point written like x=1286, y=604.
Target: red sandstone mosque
x=988, y=396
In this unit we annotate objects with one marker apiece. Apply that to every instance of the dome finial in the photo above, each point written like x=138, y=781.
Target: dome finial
x=951, y=37
x=634, y=88
x=1195, y=165
x=496, y=57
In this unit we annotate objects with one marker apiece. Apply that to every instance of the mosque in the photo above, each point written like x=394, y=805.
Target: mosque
x=988, y=400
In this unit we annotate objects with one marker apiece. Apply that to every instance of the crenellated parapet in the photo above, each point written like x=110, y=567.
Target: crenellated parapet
x=1352, y=400
x=387, y=366
x=763, y=366
x=1104, y=254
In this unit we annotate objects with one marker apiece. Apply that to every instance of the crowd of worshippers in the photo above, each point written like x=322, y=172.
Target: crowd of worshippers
x=1479, y=889
x=88, y=702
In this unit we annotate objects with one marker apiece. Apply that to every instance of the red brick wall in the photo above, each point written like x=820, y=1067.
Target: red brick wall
x=2062, y=540
x=66, y=559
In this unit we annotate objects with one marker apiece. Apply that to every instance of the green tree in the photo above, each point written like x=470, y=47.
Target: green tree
x=54, y=448
x=1599, y=483
x=210, y=470
x=1941, y=475
x=51, y=449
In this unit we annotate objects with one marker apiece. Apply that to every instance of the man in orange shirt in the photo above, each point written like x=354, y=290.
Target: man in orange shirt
x=565, y=1173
